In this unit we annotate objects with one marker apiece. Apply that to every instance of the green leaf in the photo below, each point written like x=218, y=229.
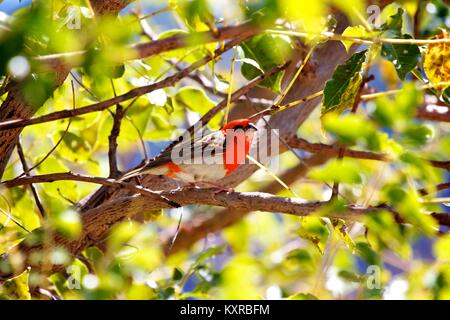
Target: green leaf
x=337, y=170
x=115, y=71
x=340, y=92
x=395, y=22
x=409, y=207
x=351, y=129
x=56, y=189
x=196, y=100
x=251, y=62
x=177, y=274
x=67, y=223
x=417, y=134
x=350, y=276
x=395, y=112
x=303, y=296
x=196, y=13
x=37, y=89
x=405, y=57
x=209, y=253
x=266, y=52
x=73, y=147
x=446, y=95
x=367, y=253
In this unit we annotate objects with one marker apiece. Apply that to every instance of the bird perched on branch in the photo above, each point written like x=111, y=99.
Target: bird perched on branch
x=207, y=159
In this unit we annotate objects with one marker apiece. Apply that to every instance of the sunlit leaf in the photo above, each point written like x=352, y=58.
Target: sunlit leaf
x=342, y=230
x=17, y=287
x=351, y=129
x=309, y=14
x=340, y=92
x=442, y=249
x=267, y=51
x=303, y=296
x=67, y=223
x=337, y=170
x=209, y=253
x=314, y=230
x=354, y=32
x=437, y=60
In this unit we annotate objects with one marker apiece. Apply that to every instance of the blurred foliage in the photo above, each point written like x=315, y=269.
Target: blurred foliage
x=265, y=255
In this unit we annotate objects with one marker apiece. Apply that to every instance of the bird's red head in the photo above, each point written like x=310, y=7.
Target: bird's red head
x=239, y=135
x=243, y=124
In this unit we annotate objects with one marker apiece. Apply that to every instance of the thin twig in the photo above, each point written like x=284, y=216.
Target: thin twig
x=32, y=188
x=438, y=188
x=59, y=140
x=359, y=40
x=141, y=138
x=333, y=150
x=112, y=139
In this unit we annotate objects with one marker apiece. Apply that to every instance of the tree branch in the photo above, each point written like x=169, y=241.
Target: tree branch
x=145, y=50
x=333, y=150
x=136, y=92
x=96, y=227
x=434, y=113
x=198, y=229
x=51, y=177
x=112, y=151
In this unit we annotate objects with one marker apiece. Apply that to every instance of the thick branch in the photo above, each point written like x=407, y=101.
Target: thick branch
x=96, y=225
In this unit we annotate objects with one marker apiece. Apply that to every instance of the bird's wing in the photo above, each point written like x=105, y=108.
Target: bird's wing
x=213, y=143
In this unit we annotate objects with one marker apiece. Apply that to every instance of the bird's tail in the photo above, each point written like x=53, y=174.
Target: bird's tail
x=130, y=174
x=152, y=167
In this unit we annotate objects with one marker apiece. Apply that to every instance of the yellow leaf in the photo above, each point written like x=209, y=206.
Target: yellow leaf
x=17, y=287
x=437, y=60
x=310, y=14
x=442, y=249
x=355, y=32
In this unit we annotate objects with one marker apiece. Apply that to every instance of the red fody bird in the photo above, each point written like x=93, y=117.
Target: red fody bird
x=208, y=159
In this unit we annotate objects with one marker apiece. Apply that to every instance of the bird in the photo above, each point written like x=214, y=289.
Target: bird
x=221, y=153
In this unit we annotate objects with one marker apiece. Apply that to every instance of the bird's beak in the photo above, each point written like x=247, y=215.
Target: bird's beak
x=251, y=125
